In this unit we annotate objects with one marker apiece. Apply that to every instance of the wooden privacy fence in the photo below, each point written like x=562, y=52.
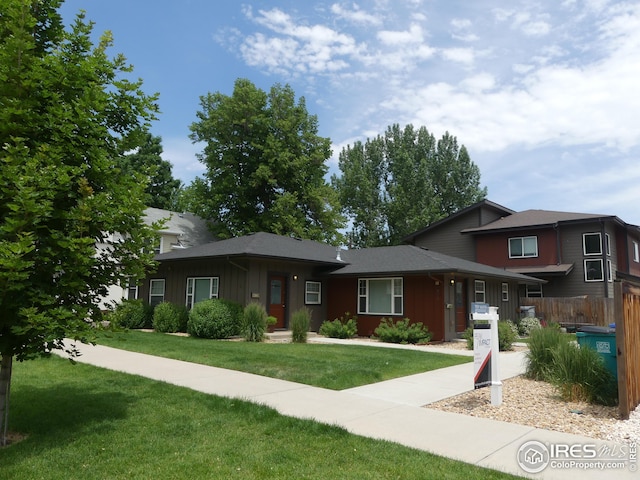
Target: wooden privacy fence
x=627, y=314
x=573, y=310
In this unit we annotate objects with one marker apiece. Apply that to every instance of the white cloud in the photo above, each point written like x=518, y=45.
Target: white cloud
x=400, y=38
x=460, y=55
x=181, y=152
x=356, y=15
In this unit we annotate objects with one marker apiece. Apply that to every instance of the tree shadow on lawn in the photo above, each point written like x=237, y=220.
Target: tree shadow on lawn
x=52, y=415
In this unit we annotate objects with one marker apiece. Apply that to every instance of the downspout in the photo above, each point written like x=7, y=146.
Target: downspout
x=605, y=267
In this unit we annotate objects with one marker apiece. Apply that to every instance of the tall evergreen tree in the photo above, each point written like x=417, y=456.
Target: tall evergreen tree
x=265, y=165
x=66, y=111
x=399, y=183
x=162, y=189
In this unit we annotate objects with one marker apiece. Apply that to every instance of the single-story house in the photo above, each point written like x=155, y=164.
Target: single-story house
x=286, y=274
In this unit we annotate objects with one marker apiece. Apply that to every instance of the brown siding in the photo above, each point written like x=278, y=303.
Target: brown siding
x=423, y=302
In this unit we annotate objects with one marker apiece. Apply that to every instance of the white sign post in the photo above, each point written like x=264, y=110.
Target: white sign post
x=486, y=354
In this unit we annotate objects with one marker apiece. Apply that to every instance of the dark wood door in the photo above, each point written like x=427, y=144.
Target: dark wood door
x=278, y=299
x=461, y=305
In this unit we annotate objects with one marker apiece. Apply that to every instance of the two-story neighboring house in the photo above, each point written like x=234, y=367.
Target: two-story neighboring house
x=577, y=254
x=180, y=231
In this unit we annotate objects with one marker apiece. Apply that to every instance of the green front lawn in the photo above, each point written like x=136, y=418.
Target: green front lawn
x=329, y=366
x=88, y=423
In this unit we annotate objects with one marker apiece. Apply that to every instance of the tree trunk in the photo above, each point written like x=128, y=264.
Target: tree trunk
x=5, y=386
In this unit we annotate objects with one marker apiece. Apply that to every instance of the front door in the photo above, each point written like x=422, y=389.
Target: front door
x=278, y=299
x=461, y=306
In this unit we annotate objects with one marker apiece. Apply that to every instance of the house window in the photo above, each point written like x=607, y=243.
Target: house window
x=592, y=244
x=636, y=252
x=201, y=288
x=156, y=292
x=312, y=293
x=479, y=287
x=609, y=271
x=521, y=247
x=132, y=291
x=593, y=270
x=505, y=292
x=534, y=291
x=607, y=241
x=380, y=296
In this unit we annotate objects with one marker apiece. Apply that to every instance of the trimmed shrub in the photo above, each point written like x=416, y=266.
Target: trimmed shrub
x=170, y=318
x=540, y=359
x=300, y=321
x=254, y=322
x=343, y=327
x=131, y=314
x=580, y=374
x=214, y=318
x=506, y=336
x=402, y=331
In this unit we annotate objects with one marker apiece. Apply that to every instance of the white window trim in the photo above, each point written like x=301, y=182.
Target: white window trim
x=307, y=292
x=609, y=271
x=636, y=251
x=528, y=291
x=482, y=290
x=505, y=292
x=599, y=260
x=153, y=295
x=608, y=243
x=213, y=292
x=392, y=280
x=522, y=239
x=584, y=244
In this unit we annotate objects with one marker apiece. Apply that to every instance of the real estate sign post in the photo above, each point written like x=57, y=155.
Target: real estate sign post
x=485, y=352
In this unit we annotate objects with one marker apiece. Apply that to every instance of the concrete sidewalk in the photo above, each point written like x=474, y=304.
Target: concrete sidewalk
x=390, y=410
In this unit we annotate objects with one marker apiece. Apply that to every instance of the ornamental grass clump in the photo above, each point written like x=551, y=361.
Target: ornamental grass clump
x=254, y=322
x=300, y=321
x=540, y=359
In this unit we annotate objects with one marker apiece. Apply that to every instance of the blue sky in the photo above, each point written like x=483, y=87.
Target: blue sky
x=545, y=95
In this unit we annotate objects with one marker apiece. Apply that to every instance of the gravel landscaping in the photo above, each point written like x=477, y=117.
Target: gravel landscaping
x=533, y=403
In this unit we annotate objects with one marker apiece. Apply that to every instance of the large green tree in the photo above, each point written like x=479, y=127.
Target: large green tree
x=66, y=110
x=395, y=184
x=162, y=189
x=265, y=165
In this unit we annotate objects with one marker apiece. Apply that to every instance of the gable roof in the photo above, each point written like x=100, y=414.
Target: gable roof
x=539, y=218
x=482, y=204
x=261, y=244
x=411, y=259
x=191, y=229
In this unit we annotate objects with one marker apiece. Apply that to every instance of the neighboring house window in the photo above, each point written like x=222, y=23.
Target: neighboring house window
x=505, y=292
x=636, y=252
x=609, y=271
x=312, y=293
x=607, y=240
x=156, y=292
x=593, y=270
x=201, y=288
x=132, y=291
x=521, y=247
x=592, y=244
x=479, y=287
x=534, y=291
x=380, y=296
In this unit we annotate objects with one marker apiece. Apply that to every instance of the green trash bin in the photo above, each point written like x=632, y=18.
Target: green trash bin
x=603, y=341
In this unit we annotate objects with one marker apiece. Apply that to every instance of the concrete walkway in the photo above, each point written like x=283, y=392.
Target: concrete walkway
x=389, y=410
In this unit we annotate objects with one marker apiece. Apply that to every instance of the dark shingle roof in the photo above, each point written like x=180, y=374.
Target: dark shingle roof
x=260, y=244
x=411, y=259
x=538, y=218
